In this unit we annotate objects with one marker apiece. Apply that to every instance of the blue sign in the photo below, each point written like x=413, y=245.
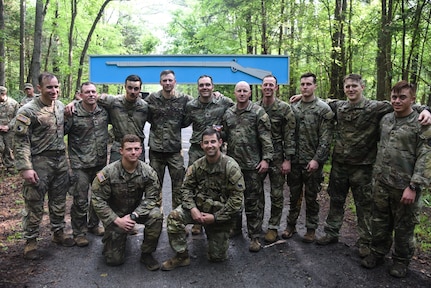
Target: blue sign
x=224, y=69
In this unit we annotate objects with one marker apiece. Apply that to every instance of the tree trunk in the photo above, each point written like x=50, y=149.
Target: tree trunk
x=2, y=44
x=74, y=12
x=22, y=45
x=87, y=43
x=383, y=60
x=37, y=47
x=263, y=16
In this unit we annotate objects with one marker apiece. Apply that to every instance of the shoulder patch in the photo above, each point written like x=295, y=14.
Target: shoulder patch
x=101, y=177
x=24, y=119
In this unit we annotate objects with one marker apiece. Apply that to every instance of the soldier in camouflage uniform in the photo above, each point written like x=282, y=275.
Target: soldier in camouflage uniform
x=354, y=154
x=212, y=193
x=282, y=128
x=87, y=131
x=402, y=168
x=166, y=113
x=314, y=127
x=8, y=110
x=41, y=159
x=205, y=111
x=127, y=114
x=124, y=193
x=29, y=92
x=248, y=134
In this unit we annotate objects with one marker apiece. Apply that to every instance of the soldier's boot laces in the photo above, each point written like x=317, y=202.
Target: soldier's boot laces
x=310, y=236
x=196, y=229
x=398, y=269
x=149, y=261
x=179, y=260
x=254, y=245
x=30, y=250
x=271, y=236
x=327, y=239
x=81, y=241
x=62, y=239
x=372, y=261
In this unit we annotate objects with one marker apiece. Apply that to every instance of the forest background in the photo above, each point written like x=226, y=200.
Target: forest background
x=384, y=41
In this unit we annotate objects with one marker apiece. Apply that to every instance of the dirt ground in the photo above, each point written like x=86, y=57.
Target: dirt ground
x=15, y=271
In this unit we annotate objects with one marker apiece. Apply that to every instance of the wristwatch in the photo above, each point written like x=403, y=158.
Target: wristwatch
x=415, y=188
x=133, y=216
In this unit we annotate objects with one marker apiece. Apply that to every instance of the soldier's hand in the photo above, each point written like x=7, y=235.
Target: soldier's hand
x=312, y=166
x=208, y=218
x=286, y=167
x=409, y=196
x=197, y=215
x=425, y=118
x=125, y=223
x=4, y=128
x=30, y=176
x=295, y=98
x=262, y=167
x=69, y=109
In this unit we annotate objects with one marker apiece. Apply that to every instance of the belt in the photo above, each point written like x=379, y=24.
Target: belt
x=52, y=153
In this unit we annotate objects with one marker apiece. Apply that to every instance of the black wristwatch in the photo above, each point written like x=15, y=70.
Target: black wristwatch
x=133, y=216
x=414, y=187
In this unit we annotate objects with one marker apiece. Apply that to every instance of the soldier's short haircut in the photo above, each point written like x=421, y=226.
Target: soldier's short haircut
x=354, y=77
x=166, y=72
x=404, y=85
x=270, y=76
x=133, y=78
x=309, y=74
x=3, y=90
x=211, y=131
x=85, y=84
x=205, y=76
x=43, y=76
x=130, y=138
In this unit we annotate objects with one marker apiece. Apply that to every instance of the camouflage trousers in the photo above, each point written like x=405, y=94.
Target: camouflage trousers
x=195, y=152
x=277, y=180
x=389, y=216
x=308, y=184
x=54, y=181
x=80, y=181
x=175, y=163
x=254, y=204
x=358, y=178
x=115, y=239
x=6, y=148
x=217, y=234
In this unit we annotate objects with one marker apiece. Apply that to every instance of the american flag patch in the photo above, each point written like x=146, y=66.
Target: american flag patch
x=101, y=177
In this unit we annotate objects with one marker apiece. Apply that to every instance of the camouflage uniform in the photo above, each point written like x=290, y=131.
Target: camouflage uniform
x=117, y=193
x=248, y=133
x=27, y=99
x=202, y=116
x=87, y=147
x=282, y=128
x=126, y=118
x=212, y=188
x=314, y=127
x=39, y=145
x=8, y=110
x=353, y=156
x=404, y=157
x=166, y=119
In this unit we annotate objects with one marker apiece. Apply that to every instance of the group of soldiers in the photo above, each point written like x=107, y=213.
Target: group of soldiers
x=264, y=138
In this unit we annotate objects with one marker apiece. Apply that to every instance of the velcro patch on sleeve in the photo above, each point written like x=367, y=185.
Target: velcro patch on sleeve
x=101, y=177
x=24, y=119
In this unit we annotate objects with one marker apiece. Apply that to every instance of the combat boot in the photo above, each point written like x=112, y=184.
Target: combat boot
x=179, y=260
x=30, y=250
x=372, y=261
x=310, y=236
x=149, y=261
x=81, y=241
x=398, y=269
x=62, y=239
x=271, y=236
x=254, y=245
x=288, y=233
x=327, y=239
x=98, y=231
x=364, y=251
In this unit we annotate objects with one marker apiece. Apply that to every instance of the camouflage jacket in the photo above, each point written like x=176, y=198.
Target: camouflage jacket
x=313, y=133
x=116, y=193
x=37, y=129
x=214, y=188
x=204, y=115
x=8, y=110
x=166, y=119
x=282, y=128
x=87, y=137
x=404, y=152
x=248, y=134
x=27, y=99
x=126, y=117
